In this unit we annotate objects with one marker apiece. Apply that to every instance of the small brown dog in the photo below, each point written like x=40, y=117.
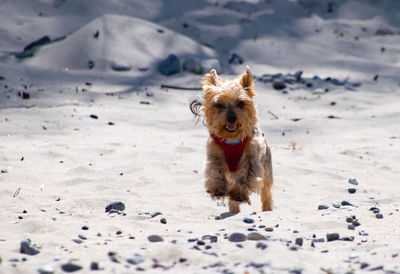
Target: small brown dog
x=238, y=157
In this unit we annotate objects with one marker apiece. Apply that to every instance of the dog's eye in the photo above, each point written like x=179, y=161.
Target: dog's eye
x=220, y=106
x=240, y=104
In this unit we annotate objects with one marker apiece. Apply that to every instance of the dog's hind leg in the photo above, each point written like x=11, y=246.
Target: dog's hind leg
x=266, y=196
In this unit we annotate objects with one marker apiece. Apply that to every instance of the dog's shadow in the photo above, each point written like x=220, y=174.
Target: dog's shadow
x=225, y=215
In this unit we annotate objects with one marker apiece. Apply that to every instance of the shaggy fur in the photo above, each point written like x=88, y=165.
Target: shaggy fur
x=230, y=114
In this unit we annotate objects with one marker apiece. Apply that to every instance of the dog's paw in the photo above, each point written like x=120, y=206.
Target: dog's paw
x=216, y=194
x=239, y=197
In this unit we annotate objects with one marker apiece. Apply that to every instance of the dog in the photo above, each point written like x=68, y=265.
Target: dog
x=238, y=158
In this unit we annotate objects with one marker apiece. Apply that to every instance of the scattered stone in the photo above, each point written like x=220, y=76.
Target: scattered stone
x=318, y=240
x=154, y=214
x=332, y=237
x=356, y=223
x=70, y=267
x=200, y=242
x=348, y=239
x=237, y=237
x=191, y=240
x=248, y=220
x=85, y=227
x=78, y=241
x=91, y=64
x=119, y=232
x=135, y=259
x=82, y=237
x=94, y=116
x=278, y=85
x=213, y=239
x=47, y=269
x=352, y=190
x=254, y=236
x=94, y=266
x=379, y=216
x=322, y=207
x=375, y=210
x=235, y=59
x=163, y=220
x=349, y=219
x=40, y=42
x=25, y=95
x=4, y=171
x=120, y=66
x=269, y=229
x=335, y=205
x=353, y=181
x=251, y=229
x=192, y=65
x=119, y=206
x=299, y=241
x=363, y=233
x=155, y=239
x=26, y=247
x=169, y=66
x=351, y=227
x=347, y=203
x=261, y=245
x=364, y=265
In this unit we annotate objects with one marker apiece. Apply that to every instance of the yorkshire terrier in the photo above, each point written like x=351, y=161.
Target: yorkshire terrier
x=238, y=157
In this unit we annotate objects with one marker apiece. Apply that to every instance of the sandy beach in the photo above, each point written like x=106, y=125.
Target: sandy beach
x=86, y=120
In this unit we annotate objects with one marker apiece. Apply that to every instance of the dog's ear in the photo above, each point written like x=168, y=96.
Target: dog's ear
x=211, y=78
x=246, y=81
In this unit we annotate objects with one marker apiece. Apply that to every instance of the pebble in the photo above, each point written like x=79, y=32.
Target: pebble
x=332, y=237
x=154, y=214
x=251, y=229
x=351, y=227
x=335, y=205
x=82, y=237
x=248, y=220
x=120, y=66
x=200, y=242
x=91, y=64
x=94, y=266
x=85, y=227
x=269, y=229
x=155, y=238
x=348, y=239
x=375, y=210
x=235, y=59
x=279, y=85
x=379, y=216
x=254, y=236
x=347, y=203
x=349, y=219
x=78, y=241
x=4, y=171
x=47, y=269
x=26, y=247
x=119, y=206
x=213, y=239
x=322, y=207
x=237, y=237
x=163, y=220
x=318, y=240
x=353, y=181
x=192, y=65
x=363, y=233
x=135, y=259
x=261, y=245
x=299, y=241
x=356, y=223
x=70, y=267
x=40, y=42
x=170, y=65
x=352, y=190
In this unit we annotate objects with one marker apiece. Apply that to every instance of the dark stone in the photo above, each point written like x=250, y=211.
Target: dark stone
x=163, y=220
x=269, y=229
x=40, y=42
x=322, y=207
x=91, y=64
x=379, y=216
x=332, y=237
x=251, y=229
x=348, y=239
x=248, y=220
x=120, y=66
x=375, y=210
x=200, y=242
x=349, y=219
x=237, y=237
x=182, y=260
x=94, y=116
x=135, y=259
x=213, y=239
x=154, y=214
x=94, y=266
x=297, y=75
x=309, y=85
x=353, y=181
x=119, y=206
x=192, y=65
x=235, y=59
x=356, y=223
x=85, y=227
x=70, y=267
x=26, y=95
x=26, y=247
x=169, y=66
x=82, y=237
x=351, y=227
x=191, y=240
x=261, y=245
x=155, y=238
x=364, y=265
x=279, y=85
x=352, y=190
x=119, y=232
x=299, y=241
x=4, y=171
x=347, y=203
x=254, y=236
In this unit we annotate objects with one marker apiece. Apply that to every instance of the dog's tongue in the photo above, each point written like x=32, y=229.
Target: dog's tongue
x=231, y=127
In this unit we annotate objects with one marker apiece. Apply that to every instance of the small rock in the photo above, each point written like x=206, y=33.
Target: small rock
x=78, y=241
x=163, y=220
x=335, y=205
x=94, y=266
x=248, y=220
x=351, y=227
x=91, y=64
x=70, y=267
x=352, y=190
x=356, y=223
x=200, y=242
x=169, y=66
x=299, y=241
x=348, y=239
x=47, y=269
x=364, y=265
x=26, y=95
x=85, y=227
x=322, y=207
x=154, y=214
x=119, y=206
x=363, y=233
x=155, y=238
x=235, y=59
x=40, y=42
x=135, y=259
x=347, y=203
x=94, y=116
x=213, y=239
x=349, y=219
x=375, y=210
x=237, y=237
x=353, y=181
x=82, y=237
x=192, y=65
x=254, y=236
x=261, y=245
x=379, y=216
x=251, y=229
x=279, y=84
x=26, y=247
x=4, y=171
x=120, y=66
x=332, y=237
x=269, y=229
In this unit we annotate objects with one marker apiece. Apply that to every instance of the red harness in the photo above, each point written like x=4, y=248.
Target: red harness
x=233, y=152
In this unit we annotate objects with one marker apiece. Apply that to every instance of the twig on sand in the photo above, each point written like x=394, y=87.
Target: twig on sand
x=178, y=87
x=17, y=192
x=273, y=114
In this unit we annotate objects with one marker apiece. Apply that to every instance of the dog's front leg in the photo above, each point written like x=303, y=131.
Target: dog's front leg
x=216, y=184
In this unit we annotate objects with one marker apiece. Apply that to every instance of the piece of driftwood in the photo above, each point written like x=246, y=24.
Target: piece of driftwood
x=178, y=87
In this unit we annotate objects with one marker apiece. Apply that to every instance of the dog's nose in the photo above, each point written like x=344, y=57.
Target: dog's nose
x=231, y=118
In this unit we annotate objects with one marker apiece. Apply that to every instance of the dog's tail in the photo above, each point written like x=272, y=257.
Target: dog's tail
x=195, y=104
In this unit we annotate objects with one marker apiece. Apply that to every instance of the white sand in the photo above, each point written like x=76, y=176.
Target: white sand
x=152, y=158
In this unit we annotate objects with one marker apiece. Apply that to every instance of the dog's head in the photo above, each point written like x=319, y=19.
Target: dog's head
x=228, y=106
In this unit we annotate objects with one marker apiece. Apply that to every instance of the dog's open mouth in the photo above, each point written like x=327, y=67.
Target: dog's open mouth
x=230, y=128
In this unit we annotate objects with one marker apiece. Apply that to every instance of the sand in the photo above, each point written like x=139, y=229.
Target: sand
x=88, y=137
